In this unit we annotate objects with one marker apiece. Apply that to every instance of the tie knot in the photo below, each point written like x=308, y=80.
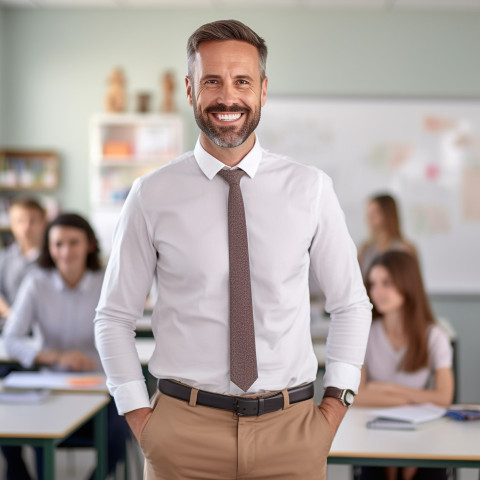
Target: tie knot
x=232, y=177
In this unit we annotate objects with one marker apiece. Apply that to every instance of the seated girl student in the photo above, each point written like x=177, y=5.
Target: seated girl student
x=58, y=299
x=409, y=357
x=385, y=231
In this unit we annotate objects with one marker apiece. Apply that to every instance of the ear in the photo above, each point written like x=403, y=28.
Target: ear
x=264, y=91
x=188, y=85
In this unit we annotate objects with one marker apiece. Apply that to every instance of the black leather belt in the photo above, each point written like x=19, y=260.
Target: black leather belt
x=240, y=405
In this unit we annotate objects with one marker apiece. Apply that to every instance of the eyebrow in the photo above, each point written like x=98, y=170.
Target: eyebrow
x=218, y=77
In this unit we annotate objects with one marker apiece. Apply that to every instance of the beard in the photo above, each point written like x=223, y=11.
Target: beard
x=227, y=136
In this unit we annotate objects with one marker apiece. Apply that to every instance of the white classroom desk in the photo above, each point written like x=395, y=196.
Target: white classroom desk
x=48, y=423
x=444, y=443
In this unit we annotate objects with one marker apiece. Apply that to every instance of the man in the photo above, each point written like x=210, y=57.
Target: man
x=230, y=231
x=27, y=222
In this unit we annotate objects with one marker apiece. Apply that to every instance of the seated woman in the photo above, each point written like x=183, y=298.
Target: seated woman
x=385, y=231
x=58, y=301
x=409, y=357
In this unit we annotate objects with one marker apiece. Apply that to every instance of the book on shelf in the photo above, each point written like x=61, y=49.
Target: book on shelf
x=408, y=417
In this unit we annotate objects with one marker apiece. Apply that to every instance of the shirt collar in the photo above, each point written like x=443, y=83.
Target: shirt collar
x=210, y=165
x=82, y=285
x=30, y=256
x=33, y=254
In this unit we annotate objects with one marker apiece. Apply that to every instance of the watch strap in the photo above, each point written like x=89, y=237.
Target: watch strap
x=333, y=392
x=337, y=393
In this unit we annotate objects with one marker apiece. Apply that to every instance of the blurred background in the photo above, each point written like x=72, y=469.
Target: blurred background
x=378, y=87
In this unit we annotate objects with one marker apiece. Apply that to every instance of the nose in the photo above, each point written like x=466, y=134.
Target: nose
x=227, y=94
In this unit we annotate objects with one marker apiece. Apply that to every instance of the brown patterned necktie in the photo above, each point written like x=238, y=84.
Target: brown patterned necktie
x=243, y=358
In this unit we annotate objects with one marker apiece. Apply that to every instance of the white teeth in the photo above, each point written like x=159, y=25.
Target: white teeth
x=228, y=117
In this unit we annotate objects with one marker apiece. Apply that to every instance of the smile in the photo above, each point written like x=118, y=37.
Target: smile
x=227, y=117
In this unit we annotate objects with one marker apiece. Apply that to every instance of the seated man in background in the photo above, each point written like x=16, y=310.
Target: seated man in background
x=27, y=222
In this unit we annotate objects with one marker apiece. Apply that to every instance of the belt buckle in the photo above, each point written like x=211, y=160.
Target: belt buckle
x=236, y=408
x=259, y=407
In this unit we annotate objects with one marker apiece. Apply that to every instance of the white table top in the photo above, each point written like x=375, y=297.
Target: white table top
x=444, y=439
x=55, y=417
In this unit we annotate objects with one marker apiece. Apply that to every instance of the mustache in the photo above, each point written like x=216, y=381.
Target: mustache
x=222, y=108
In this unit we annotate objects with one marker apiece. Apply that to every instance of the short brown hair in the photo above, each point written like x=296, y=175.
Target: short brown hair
x=28, y=203
x=226, y=30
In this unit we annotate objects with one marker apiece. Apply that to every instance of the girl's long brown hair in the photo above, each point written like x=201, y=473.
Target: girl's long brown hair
x=389, y=210
x=417, y=315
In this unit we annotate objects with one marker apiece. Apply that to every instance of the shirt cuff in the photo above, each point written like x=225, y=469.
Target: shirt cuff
x=27, y=358
x=130, y=396
x=343, y=376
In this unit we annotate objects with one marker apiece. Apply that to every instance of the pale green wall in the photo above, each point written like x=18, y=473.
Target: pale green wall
x=1, y=75
x=54, y=66
x=56, y=62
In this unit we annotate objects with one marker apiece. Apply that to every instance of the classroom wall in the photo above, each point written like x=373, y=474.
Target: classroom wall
x=464, y=315
x=55, y=63
x=1, y=75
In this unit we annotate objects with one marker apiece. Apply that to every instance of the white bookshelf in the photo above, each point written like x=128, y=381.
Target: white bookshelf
x=124, y=147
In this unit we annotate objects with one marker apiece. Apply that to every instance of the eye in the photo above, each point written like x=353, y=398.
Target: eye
x=211, y=82
x=243, y=82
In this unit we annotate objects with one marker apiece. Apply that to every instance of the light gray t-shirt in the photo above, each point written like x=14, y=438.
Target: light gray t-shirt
x=382, y=360
x=14, y=267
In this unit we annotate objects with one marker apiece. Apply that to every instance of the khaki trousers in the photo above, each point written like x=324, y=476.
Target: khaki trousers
x=185, y=441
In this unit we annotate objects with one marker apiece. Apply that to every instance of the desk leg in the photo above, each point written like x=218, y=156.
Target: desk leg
x=100, y=429
x=48, y=460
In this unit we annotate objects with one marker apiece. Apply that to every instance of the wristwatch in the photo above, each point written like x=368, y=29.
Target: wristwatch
x=347, y=397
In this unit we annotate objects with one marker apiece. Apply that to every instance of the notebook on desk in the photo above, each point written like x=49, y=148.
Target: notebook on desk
x=464, y=412
x=408, y=417
x=90, y=381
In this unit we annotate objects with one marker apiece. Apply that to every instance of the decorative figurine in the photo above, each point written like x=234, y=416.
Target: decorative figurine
x=143, y=102
x=168, y=87
x=115, y=98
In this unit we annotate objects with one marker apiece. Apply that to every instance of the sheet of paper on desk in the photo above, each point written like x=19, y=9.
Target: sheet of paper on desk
x=408, y=417
x=55, y=380
x=17, y=396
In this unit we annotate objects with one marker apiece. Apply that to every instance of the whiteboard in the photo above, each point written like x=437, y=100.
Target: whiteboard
x=425, y=153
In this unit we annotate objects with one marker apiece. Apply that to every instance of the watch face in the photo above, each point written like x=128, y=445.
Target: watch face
x=349, y=397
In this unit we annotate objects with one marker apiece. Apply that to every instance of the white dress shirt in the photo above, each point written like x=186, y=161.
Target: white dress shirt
x=174, y=226
x=62, y=316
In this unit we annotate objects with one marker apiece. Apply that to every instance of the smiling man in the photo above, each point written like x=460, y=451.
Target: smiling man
x=230, y=232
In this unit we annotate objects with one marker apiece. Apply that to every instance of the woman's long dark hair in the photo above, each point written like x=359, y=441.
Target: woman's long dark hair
x=75, y=221
x=417, y=315
x=389, y=210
